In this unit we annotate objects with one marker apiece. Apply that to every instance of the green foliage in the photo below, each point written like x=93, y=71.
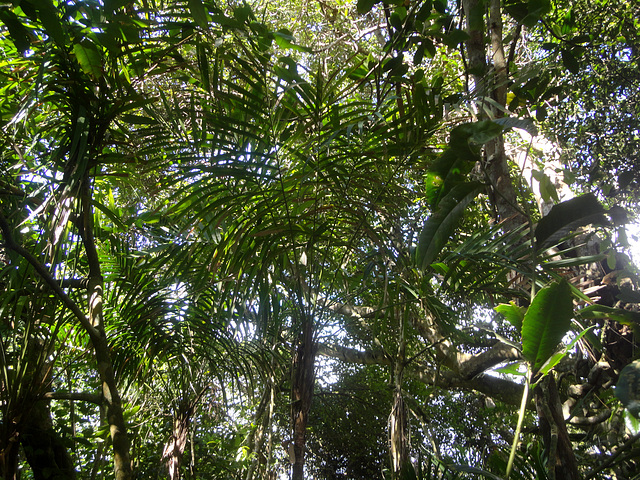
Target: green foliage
x=569, y=216
x=628, y=388
x=241, y=171
x=547, y=320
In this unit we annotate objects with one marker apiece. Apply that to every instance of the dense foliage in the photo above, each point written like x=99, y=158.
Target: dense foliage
x=324, y=240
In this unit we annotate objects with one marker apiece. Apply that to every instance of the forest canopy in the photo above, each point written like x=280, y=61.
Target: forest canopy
x=334, y=239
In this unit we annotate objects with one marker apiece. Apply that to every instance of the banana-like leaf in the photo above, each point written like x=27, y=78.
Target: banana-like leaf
x=568, y=216
x=439, y=227
x=628, y=388
x=547, y=320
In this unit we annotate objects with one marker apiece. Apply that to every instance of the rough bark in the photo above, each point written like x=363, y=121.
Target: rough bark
x=110, y=394
x=302, y=394
x=561, y=461
x=174, y=449
x=490, y=81
x=46, y=454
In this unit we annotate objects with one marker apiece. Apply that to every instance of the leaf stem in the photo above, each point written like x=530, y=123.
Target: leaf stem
x=516, y=437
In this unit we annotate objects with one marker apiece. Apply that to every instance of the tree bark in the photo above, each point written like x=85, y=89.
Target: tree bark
x=490, y=81
x=174, y=449
x=302, y=394
x=46, y=454
x=110, y=394
x=561, y=461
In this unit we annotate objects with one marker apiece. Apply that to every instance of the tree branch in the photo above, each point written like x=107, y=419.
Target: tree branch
x=81, y=396
x=504, y=390
x=40, y=269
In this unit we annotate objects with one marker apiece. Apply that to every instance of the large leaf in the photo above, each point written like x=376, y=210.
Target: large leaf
x=17, y=31
x=547, y=320
x=454, y=164
x=568, y=216
x=439, y=227
x=513, y=313
x=628, y=388
x=89, y=58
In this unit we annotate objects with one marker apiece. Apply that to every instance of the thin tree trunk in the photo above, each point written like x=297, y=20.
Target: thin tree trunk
x=110, y=394
x=174, y=449
x=492, y=83
x=398, y=420
x=561, y=461
x=302, y=394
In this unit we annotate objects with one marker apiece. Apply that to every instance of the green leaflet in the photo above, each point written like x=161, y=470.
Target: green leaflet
x=513, y=313
x=547, y=320
x=439, y=227
x=89, y=58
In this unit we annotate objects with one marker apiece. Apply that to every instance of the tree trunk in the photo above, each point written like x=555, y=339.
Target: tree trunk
x=9, y=458
x=45, y=452
x=561, y=461
x=398, y=421
x=110, y=394
x=492, y=83
x=174, y=449
x=302, y=394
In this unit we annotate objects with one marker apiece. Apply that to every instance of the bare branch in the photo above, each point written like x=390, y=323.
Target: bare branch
x=81, y=396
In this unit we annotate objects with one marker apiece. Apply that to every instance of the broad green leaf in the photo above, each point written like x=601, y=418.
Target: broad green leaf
x=441, y=225
x=568, y=216
x=199, y=13
x=513, y=313
x=455, y=37
x=364, y=6
x=17, y=31
x=89, y=58
x=628, y=388
x=547, y=320
x=570, y=62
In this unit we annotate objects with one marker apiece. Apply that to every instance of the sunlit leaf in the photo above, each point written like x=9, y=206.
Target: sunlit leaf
x=546, y=322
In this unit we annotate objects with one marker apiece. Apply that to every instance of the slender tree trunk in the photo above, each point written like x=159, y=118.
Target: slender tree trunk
x=302, y=394
x=110, y=394
x=174, y=449
x=492, y=83
x=561, y=461
x=398, y=421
